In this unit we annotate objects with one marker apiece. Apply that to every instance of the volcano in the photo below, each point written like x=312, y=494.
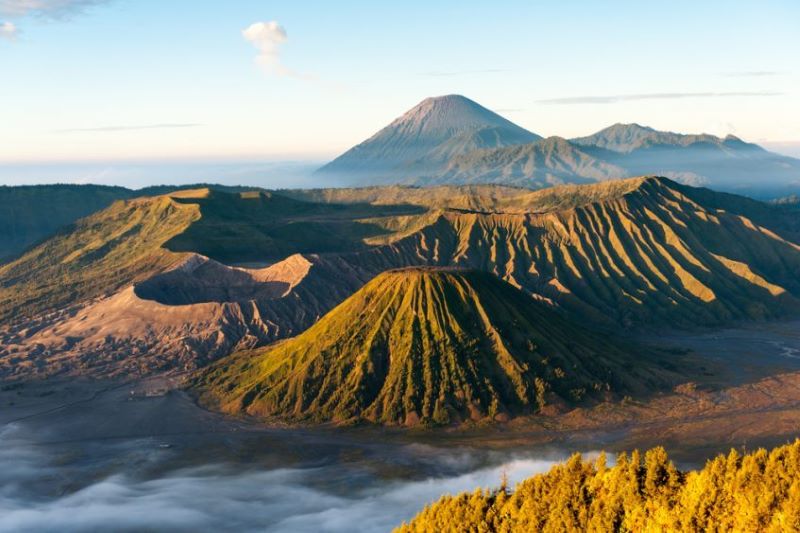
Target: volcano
x=427, y=346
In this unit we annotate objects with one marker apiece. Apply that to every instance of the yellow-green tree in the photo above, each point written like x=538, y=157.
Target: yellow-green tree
x=759, y=491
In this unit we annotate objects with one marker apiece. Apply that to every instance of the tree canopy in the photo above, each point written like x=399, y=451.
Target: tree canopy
x=758, y=491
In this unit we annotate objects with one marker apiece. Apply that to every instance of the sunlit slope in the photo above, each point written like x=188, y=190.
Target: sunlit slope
x=99, y=255
x=634, y=251
x=758, y=491
x=135, y=239
x=427, y=346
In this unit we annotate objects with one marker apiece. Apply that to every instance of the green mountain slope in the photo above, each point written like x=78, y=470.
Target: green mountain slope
x=31, y=213
x=264, y=226
x=426, y=346
x=136, y=239
x=97, y=256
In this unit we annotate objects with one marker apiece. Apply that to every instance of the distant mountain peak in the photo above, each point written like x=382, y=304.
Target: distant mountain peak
x=459, y=106
x=618, y=137
x=448, y=114
x=425, y=136
x=453, y=139
x=630, y=126
x=457, y=99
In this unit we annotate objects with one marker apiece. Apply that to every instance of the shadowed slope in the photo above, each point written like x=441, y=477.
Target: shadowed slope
x=31, y=213
x=429, y=346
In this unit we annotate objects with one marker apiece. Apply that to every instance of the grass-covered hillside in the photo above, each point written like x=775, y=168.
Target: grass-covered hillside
x=133, y=240
x=757, y=491
x=98, y=255
x=428, y=346
x=31, y=213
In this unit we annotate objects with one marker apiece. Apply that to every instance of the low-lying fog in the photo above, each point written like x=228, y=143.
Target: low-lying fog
x=91, y=457
x=138, y=485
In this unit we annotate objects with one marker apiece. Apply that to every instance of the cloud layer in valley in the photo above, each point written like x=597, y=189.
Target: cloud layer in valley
x=219, y=497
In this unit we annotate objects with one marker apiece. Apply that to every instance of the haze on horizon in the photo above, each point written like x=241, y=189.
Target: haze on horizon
x=134, y=93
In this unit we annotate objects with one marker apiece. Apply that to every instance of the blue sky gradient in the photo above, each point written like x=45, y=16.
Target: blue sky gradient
x=134, y=80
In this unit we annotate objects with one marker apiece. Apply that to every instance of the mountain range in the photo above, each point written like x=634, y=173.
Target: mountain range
x=30, y=213
x=485, y=273
x=175, y=281
x=453, y=140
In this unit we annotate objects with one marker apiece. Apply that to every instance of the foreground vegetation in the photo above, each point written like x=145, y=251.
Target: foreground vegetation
x=759, y=491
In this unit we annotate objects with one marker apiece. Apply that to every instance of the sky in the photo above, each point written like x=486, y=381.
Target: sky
x=95, y=83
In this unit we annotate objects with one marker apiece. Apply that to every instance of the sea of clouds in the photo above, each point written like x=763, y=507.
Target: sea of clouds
x=219, y=497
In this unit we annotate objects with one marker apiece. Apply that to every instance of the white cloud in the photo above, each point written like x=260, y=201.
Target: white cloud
x=8, y=31
x=268, y=37
x=45, y=8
